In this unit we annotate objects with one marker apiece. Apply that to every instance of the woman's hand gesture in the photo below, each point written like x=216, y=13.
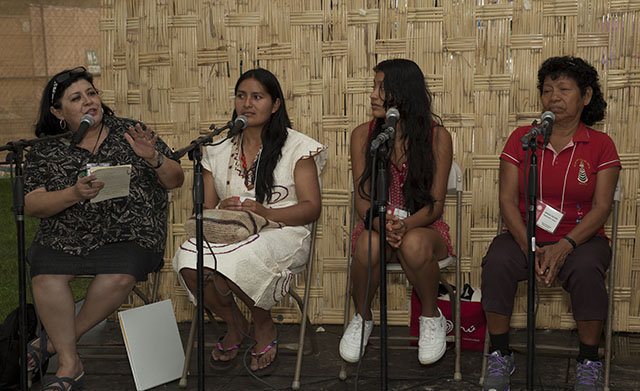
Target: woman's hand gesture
x=143, y=143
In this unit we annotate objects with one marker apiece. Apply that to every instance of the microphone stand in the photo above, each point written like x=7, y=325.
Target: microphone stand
x=15, y=157
x=381, y=198
x=531, y=189
x=194, y=149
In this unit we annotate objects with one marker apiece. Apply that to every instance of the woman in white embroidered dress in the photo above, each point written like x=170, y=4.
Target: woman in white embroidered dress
x=272, y=170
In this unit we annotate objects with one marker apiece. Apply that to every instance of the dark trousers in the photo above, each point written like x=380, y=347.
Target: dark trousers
x=582, y=275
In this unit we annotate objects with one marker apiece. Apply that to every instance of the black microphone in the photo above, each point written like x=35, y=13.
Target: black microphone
x=236, y=126
x=86, y=122
x=544, y=128
x=389, y=132
x=239, y=123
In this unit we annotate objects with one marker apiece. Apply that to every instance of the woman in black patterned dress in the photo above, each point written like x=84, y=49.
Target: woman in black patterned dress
x=120, y=240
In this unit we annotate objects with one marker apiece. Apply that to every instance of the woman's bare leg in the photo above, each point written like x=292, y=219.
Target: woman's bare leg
x=217, y=299
x=419, y=253
x=54, y=300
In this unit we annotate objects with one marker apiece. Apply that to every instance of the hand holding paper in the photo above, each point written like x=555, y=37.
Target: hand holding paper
x=116, y=181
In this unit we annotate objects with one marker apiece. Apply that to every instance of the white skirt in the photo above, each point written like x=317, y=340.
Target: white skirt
x=263, y=265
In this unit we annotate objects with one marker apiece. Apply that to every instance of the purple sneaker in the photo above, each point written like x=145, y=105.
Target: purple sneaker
x=589, y=376
x=499, y=370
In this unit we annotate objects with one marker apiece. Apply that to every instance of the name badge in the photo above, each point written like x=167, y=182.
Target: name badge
x=399, y=213
x=547, y=217
x=91, y=165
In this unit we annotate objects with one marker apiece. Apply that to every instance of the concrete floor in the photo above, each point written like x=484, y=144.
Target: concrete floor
x=320, y=371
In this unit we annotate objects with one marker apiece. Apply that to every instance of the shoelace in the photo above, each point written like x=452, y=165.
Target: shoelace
x=356, y=331
x=430, y=331
x=587, y=374
x=497, y=366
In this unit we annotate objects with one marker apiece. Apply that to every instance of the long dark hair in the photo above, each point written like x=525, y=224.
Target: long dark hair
x=48, y=124
x=274, y=132
x=406, y=89
x=585, y=76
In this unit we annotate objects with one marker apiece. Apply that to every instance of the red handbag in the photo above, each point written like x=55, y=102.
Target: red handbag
x=473, y=322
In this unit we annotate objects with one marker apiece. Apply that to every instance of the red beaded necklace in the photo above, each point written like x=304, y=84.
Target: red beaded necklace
x=248, y=179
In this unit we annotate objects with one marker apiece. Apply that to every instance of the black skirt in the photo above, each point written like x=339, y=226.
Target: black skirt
x=114, y=258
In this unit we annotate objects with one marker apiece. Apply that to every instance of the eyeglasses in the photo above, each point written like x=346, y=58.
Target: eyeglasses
x=61, y=78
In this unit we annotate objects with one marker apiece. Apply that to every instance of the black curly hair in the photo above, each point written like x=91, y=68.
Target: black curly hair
x=585, y=76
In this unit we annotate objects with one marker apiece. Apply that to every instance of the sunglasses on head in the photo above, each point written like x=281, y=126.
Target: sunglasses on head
x=64, y=76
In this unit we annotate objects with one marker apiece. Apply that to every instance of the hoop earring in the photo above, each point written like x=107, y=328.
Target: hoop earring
x=63, y=124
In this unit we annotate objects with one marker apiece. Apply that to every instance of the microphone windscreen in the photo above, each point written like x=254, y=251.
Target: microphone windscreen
x=241, y=121
x=88, y=118
x=393, y=113
x=548, y=116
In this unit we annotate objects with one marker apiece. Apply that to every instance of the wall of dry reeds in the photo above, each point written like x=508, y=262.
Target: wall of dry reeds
x=173, y=64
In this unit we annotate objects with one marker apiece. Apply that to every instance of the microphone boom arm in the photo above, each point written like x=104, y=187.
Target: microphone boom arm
x=202, y=140
x=235, y=126
x=12, y=145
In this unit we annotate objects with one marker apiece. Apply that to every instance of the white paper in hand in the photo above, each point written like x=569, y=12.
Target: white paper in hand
x=116, y=181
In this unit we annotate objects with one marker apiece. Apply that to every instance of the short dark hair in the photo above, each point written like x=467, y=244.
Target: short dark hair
x=48, y=124
x=585, y=76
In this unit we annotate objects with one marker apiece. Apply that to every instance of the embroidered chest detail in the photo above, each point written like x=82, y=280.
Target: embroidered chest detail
x=583, y=165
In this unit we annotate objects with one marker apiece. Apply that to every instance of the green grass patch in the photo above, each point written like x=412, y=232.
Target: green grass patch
x=9, y=253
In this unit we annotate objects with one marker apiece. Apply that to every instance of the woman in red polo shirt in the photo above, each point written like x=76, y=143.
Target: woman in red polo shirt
x=577, y=171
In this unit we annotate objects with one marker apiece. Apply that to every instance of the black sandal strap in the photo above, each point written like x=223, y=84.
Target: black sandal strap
x=39, y=354
x=57, y=384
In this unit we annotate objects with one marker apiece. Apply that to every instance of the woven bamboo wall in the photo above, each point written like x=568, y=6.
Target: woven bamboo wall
x=173, y=64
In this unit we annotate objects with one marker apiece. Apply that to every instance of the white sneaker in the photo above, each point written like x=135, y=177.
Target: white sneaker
x=432, y=343
x=350, y=342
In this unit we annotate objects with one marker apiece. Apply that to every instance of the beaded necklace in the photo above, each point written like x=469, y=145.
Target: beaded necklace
x=249, y=172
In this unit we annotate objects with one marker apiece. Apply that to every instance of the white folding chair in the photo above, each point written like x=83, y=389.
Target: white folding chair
x=454, y=186
x=617, y=197
x=305, y=321
x=305, y=324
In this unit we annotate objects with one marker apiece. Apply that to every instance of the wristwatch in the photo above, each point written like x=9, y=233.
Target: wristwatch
x=160, y=161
